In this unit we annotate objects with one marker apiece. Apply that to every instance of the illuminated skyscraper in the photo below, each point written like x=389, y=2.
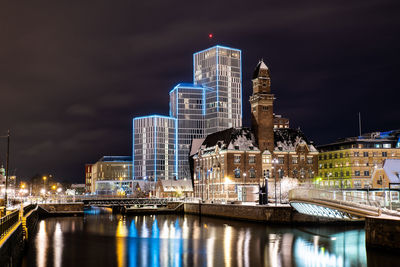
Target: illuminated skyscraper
x=187, y=106
x=154, y=153
x=220, y=69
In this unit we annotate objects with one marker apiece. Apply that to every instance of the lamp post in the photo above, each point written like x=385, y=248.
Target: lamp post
x=274, y=162
x=7, y=167
x=244, y=184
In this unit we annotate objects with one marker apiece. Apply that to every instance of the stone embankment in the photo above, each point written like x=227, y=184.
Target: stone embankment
x=382, y=232
x=268, y=214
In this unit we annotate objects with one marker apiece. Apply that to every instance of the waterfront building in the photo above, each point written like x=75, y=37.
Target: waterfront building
x=154, y=146
x=350, y=162
x=174, y=188
x=110, y=168
x=187, y=105
x=232, y=164
x=88, y=177
x=387, y=176
x=220, y=69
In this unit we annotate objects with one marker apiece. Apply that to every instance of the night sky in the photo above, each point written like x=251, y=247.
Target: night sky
x=74, y=74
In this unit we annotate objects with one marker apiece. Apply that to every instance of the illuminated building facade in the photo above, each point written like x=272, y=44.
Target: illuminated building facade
x=109, y=168
x=220, y=69
x=350, y=162
x=187, y=106
x=230, y=164
x=154, y=148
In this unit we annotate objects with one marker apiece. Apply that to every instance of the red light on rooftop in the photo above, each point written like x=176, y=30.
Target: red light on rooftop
x=210, y=35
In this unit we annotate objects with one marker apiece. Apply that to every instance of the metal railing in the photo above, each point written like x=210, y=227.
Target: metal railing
x=7, y=222
x=360, y=200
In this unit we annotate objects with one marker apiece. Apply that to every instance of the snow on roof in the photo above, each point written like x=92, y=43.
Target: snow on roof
x=196, y=144
x=287, y=139
x=232, y=139
x=176, y=185
x=392, y=170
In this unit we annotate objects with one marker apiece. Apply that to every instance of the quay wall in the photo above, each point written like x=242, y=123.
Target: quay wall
x=384, y=233
x=61, y=209
x=271, y=214
x=13, y=244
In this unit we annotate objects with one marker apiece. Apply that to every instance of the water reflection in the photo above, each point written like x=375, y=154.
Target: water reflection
x=99, y=239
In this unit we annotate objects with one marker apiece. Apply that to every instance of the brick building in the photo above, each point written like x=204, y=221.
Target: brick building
x=233, y=164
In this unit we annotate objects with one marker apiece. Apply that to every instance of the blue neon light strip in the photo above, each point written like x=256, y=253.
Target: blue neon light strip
x=153, y=116
x=176, y=135
x=133, y=150
x=241, y=89
x=155, y=149
x=217, y=87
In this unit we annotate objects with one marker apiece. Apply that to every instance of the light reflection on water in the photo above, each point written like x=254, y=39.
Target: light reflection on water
x=99, y=239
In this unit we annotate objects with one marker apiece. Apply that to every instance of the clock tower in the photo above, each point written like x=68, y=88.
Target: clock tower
x=262, y=103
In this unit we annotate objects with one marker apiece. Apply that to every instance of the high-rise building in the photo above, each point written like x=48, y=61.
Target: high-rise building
x=154, y=148
x=220, y=69
x=187, y=105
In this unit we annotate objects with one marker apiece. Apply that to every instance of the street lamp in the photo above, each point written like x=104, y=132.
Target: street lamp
x=244, y=184
x=274, y=162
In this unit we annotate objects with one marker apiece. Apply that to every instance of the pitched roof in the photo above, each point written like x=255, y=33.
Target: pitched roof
x=392, y=170
x=260, y=65
x=229, y=138
x=287, y=139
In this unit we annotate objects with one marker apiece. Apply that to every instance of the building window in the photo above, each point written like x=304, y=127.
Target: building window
x=265, y=159
x=366, y=173
x=330, y=156
x=252, y=159
x=266, y=174
x=236, y=159
x=320, y=157
x=320, y=166
x=336, y=174
x=236, y=147
x=347, y=173
x=309, y=160
x=280, y=173
x=324, y=156
x=330, y=165
x=387, y=146
x=264, y=108
x=294, y=173
x=357, y=173
x=365, y=154
x=356, y=154
x=252, y=173
x=281, y=160
x=325, y=165
x=384, y=154
x=341, y=155
x=335, y=156
x=374, y=154
x=237, y=173
x=294, y=160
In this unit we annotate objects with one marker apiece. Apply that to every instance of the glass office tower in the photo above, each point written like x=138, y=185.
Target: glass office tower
x=154, y=148
x=187, y=106
x=220, y=68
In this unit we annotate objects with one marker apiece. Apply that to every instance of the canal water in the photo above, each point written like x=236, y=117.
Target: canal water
x=101, y=238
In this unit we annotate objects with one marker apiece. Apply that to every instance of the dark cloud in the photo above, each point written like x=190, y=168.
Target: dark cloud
x=73, y=74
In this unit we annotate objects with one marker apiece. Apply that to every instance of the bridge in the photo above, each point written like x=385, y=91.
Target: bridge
x=118, y=201
x=340, y=204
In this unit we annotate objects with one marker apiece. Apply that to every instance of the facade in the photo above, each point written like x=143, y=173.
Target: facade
x=154, y=154
x=350, y=162
x=187, y=105
x=88, y=177
x=174, y=188
x=220, y=69
x=388, y=175
x=233, y=164
x=110, y=168
x=280, y=122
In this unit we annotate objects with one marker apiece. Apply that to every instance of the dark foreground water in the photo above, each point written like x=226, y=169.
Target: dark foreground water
x=102, y=239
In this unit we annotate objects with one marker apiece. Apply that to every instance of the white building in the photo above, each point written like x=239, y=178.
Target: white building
x=154, y=148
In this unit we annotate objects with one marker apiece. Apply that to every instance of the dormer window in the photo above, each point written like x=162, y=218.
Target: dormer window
x=236, y=147
x=251, y=147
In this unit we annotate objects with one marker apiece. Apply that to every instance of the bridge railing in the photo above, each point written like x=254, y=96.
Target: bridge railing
x=7, y=222
x=355, y=199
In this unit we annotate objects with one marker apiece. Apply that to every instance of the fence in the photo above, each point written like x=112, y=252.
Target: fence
x=7, y=222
